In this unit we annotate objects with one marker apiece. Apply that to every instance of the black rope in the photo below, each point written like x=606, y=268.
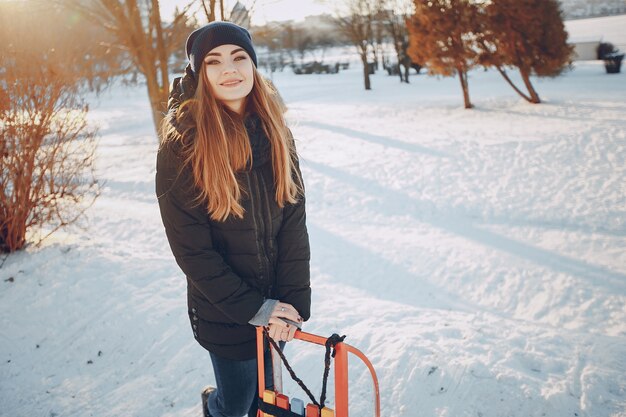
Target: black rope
x=291, y=372
x=331, y=342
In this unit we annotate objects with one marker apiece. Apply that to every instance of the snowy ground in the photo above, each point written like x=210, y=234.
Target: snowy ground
x=477, y=257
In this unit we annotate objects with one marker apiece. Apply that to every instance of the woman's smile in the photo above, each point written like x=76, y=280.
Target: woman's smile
x=231, y=83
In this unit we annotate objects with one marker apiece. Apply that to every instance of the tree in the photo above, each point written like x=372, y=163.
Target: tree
x=239, y=13
x=442, y=37
x=357, y=26
x=270, y=36
x=46, y=146
x=297, y=40
x=378, y=32
x=139, y=31
x=397, y=11
x=528, y=35
x=209, y=9
x=322, y=40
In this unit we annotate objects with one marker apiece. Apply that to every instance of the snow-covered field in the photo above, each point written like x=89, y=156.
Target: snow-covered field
x=477, y=257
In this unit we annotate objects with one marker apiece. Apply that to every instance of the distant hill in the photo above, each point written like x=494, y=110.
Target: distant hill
x=576, y=9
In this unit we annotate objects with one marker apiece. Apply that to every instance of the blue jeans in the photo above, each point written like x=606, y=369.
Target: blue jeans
x=237, y=385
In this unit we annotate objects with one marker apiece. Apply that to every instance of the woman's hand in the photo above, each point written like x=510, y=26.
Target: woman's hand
x=280, y=330
x=283, y=333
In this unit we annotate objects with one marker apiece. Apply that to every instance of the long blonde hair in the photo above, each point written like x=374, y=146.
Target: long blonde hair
x=221, y=146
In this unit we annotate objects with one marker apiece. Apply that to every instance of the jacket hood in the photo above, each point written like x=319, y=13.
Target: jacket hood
x=182, y=88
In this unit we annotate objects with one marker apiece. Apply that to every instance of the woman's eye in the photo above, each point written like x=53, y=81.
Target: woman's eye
x=213, y=61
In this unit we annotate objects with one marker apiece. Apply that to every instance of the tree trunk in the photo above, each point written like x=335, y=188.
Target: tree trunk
x=366, y=71
x=152, y=58
x=407, y=68
x=531, y=90
x=12, y=238
x=210, y=11
x=508, y=80
x=161, y=52
x=465, y=87
x=158, y=101
x=399, y=67
x=378, y=53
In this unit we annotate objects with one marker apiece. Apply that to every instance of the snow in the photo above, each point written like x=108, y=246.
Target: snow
x=476, y=256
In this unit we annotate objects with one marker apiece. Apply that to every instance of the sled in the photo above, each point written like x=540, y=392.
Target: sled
x=275, y=403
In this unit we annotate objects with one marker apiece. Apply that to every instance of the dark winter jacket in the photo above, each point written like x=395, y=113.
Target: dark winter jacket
x=233, y=266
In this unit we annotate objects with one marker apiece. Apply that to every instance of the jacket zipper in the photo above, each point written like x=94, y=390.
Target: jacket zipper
x=268, y=236
x=262, y=252
x=263, y=225
x=269, y=218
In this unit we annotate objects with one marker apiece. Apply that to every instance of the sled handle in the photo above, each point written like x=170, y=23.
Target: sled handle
x=341, y=369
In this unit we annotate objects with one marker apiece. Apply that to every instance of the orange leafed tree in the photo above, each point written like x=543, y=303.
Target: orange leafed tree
x=528, y=35
x=442, y=36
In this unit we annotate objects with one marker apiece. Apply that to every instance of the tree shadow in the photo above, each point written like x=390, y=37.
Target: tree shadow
x=560, y=105
x=560, y=224
x=380, y=140
x=369, y=271
x=395, y=203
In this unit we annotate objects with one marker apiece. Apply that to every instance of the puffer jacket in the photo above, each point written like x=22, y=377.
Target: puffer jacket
x=233, y=266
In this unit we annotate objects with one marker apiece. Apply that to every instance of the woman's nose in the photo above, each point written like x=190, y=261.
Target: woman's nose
x=229, y=67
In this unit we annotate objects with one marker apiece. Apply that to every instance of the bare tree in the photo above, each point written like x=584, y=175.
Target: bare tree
x=239, y=13
x=396, y=13
x=378, y=32
x=357, y=26
x=139, y=30
x=298, y=40
x=209, y=9
x=270, y=36
x=322, y=40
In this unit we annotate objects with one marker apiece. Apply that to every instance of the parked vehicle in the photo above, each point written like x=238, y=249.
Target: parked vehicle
x=613, y=62
x=315, y=67
x=394, y=69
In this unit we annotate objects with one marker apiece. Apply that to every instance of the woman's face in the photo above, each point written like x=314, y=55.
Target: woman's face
x=230, y=72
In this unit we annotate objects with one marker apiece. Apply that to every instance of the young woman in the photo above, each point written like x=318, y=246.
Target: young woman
x=232, y=203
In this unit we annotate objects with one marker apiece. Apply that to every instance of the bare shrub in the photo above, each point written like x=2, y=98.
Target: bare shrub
x=46, y=146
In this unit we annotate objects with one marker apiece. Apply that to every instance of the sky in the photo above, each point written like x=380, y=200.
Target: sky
x=265, y=10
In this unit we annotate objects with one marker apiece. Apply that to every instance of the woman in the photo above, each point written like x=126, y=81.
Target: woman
x=232, y=203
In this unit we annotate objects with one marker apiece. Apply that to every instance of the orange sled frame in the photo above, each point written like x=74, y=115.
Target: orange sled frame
x=341, y=370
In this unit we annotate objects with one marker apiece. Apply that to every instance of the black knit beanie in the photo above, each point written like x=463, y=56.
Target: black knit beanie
x=202, y=40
